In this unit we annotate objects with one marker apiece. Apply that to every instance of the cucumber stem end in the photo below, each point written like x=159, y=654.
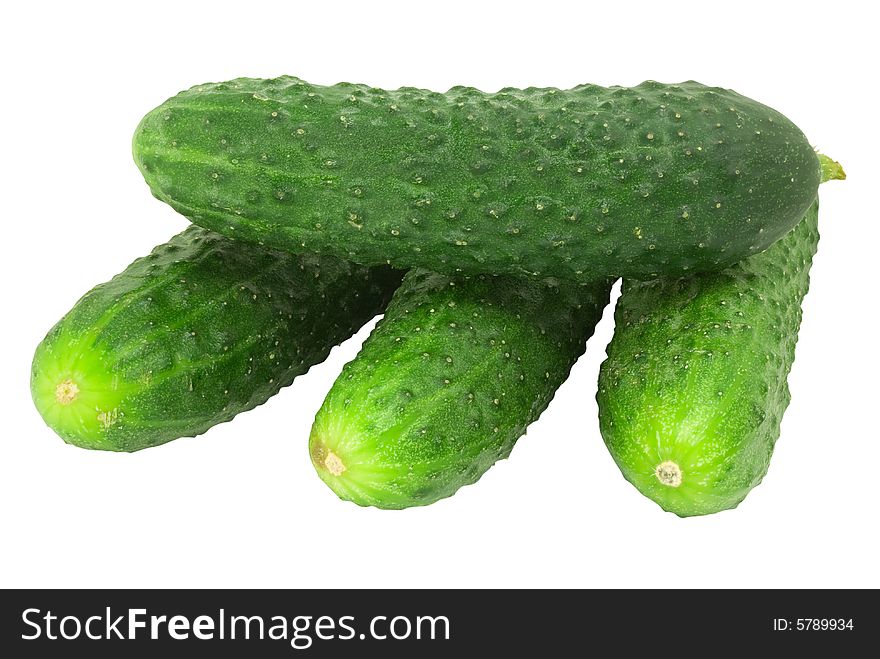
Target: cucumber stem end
x=831, y=169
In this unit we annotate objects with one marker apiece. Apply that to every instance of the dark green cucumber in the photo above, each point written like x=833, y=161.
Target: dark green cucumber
x=191, y=335
x=447, y=382
x=694, y=388
x=578, y=184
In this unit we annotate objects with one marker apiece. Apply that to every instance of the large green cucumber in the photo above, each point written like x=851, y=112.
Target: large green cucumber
x=695, y=385
x=193, y=334
x=446, y=383
x=578, y=184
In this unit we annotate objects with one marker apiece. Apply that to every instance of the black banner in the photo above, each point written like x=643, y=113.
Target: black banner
x=437, y=623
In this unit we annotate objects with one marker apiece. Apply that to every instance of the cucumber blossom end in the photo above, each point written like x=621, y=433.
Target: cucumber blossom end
x=76, y=396
x=669, y=473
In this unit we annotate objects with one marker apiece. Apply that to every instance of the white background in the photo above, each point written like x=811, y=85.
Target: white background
x=241, y=506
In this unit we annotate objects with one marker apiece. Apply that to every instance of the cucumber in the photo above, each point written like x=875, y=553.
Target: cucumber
x=191, y=335
x=578, y=184
x=693, y=390
x=446, y=383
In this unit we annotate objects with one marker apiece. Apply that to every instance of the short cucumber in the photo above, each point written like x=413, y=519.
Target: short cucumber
x=694, y=387
x=193, y=334
x=578, y=184
x=446, y=383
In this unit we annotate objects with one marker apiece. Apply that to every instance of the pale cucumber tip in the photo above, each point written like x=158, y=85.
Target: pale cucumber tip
x=353, y=474
x=683, y=486
x=831, y=169
x=680, y=487
x=331, y=466
x=75, y=395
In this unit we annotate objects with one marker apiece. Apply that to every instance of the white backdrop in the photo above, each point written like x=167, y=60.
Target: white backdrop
x=241, y=505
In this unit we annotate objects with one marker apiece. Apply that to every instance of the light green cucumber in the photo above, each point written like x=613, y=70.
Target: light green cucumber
x=447, y=382
x=191, y=335
x=580, y=184
x=695, y=385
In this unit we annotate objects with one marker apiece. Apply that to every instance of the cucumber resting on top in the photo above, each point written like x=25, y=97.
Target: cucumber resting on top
x=695, y=385
x=579, y=184
x=201, y=329
x=447, y=382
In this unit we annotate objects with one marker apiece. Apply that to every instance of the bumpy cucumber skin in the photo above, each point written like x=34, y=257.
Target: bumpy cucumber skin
x=446, y=383
x=697, y=372
x=191, y=335
x=578, y=184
